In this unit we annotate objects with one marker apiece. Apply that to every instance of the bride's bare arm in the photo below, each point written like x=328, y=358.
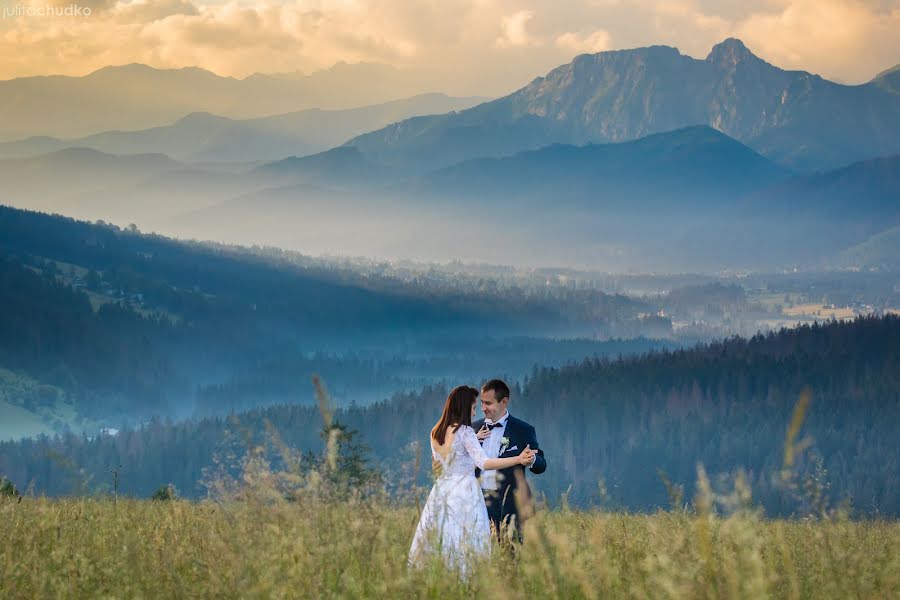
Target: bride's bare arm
x=524, y=459
x=470, y=441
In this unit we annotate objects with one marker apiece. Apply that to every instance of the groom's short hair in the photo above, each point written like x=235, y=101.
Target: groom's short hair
x=498, y=386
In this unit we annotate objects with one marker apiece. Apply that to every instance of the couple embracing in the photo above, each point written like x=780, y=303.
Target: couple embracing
x=462, y=508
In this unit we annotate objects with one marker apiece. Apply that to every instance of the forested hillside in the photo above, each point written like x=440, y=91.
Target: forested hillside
x=112, y=323
x=727, y=406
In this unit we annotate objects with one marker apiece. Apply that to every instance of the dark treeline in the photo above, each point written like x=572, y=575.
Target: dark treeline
x=364, y=378
x=624, y=422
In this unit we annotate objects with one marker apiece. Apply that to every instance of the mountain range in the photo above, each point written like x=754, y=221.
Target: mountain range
x=696, y=167
x=642, y=158
x=794, y=118
x=690, y=197
x=693, y=196
x=202, y=136
x=136, y=96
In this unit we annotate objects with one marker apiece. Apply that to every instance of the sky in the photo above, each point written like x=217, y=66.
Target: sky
x=485, y=47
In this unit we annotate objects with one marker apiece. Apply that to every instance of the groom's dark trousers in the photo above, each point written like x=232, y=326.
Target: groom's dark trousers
x=512, y=499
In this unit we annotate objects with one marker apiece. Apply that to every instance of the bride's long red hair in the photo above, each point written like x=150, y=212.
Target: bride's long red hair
x=457, y=411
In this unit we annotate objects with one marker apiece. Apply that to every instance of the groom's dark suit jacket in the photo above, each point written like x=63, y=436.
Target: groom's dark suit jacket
x=502, y=505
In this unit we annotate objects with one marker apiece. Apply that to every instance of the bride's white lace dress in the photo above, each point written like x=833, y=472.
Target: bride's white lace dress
x=454, y=521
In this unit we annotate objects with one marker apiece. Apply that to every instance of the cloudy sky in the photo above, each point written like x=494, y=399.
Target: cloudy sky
x=469, y=46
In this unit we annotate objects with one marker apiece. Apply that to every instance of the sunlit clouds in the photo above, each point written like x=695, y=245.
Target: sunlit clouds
x=464, y=46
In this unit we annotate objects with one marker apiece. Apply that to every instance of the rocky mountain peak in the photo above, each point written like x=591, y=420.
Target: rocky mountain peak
x=729, y=52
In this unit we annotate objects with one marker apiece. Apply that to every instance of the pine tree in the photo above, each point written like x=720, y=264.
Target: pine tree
x=8, y=488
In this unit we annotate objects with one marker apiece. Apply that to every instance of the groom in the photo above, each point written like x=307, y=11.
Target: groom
x=505, y=492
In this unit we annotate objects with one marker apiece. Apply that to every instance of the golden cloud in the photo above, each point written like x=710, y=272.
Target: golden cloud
x=470, y=46
x=596, y=41
x=830, y=37
x=514, y=31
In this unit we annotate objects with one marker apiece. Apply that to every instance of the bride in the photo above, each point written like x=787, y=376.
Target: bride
x=454, y=521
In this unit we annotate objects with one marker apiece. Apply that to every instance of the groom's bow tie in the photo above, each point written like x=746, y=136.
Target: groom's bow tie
x=492, y=425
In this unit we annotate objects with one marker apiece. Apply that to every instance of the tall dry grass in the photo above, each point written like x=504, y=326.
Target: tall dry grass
x=259, y=548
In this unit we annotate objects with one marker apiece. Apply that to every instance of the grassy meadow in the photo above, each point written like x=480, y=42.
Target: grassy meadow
x=263, y=547
x=327, y=530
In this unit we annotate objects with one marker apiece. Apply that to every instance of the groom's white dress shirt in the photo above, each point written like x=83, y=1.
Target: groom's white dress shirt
x=491, y=447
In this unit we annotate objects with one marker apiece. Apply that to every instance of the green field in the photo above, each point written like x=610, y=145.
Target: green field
x=46, y=414
x=16, y=422
x=262, y=547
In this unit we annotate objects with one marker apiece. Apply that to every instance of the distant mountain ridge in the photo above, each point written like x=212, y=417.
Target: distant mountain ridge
x=136, y=96
x=792, y=117
x=51, y=181
x=868, y=188
x=695, y=164
x=692, y=196
x=202, y=136
x=697, y=160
